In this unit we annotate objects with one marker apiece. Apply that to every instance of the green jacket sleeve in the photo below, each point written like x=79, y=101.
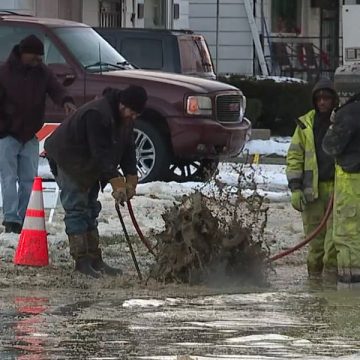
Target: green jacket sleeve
x=295, y=160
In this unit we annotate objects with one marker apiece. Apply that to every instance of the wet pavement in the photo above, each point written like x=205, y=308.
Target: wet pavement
x=291, y=319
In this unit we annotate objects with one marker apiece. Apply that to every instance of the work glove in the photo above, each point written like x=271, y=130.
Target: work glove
x=119, y=189
x=131, y=183
x=298, y=200
x=69, y=108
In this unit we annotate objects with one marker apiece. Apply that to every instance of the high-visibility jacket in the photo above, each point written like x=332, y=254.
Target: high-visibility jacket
x=302, y=168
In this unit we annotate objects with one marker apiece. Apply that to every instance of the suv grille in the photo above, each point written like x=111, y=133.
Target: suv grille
x=228, y=108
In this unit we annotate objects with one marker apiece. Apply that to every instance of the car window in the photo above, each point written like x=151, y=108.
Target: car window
x=52, y=54
x=194, y=55
x=89, y=48
x=144, y=53
x=12, y=35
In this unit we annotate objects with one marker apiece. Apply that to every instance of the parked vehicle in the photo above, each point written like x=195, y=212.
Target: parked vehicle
x=177, y=51
x=347, y=76
x=189, y=123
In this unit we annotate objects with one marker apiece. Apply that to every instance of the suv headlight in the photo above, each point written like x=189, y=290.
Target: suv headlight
x=198, y=105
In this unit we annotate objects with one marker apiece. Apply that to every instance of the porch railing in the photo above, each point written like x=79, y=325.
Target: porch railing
x=109, y=19
x=302, y=57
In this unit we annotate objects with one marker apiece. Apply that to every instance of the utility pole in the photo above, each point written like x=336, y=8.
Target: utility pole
x=217, y=36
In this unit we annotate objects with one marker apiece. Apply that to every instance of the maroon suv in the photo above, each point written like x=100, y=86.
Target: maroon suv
x=189, y=123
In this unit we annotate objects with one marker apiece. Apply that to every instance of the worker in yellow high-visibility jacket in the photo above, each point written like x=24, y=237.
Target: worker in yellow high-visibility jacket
x=310, y=173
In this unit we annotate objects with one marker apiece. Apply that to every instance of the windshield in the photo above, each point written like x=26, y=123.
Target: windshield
x=91, y=50
x=194, y=54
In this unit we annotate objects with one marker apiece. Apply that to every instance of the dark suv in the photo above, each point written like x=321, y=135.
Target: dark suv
x=177, y=51
x=189, y=123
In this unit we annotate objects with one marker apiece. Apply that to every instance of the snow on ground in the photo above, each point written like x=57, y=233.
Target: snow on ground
x=274, y=146
x=280, y=79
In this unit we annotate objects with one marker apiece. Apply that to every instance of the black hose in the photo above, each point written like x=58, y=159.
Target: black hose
x=128, y=241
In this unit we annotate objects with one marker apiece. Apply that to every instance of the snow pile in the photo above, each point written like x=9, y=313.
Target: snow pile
x=274, y=146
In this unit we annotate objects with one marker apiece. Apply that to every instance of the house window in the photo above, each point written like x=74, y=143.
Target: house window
x=155, y=13
x=286, y=16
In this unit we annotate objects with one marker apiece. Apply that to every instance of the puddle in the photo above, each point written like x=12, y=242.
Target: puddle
x=289, y=320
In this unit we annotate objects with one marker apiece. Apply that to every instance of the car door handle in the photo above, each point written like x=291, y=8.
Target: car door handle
x=66, y=76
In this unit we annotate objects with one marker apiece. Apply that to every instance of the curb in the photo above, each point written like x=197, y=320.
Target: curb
x=262, y=159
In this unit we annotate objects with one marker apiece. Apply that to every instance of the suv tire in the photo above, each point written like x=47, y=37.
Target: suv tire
x=152, y=152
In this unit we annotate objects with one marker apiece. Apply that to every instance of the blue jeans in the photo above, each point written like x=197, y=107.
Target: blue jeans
x=81, y=206
x=18, y=167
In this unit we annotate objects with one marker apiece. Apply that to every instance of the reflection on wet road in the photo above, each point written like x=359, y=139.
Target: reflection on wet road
x=274, y=323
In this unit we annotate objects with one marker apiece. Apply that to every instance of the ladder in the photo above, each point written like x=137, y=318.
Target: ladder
x=256, y=39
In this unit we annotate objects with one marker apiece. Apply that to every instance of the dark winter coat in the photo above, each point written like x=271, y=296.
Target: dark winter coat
x=23, y=104
x=93, y=142
x=342, y=140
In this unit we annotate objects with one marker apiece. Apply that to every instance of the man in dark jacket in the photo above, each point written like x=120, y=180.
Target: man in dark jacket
x=25, y=81
x=85, y=152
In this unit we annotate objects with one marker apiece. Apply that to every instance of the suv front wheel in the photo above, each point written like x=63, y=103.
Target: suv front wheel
x=152, y=152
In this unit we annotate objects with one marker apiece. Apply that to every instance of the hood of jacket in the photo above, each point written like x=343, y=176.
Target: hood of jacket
x=14, y=61
x=324, y=84
x=112, y=96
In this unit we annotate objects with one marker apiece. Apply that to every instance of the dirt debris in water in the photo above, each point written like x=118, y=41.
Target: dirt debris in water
x=214, y=237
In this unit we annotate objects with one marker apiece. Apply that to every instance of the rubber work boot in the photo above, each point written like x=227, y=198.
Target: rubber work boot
x=84, y=266
x=349, y=279
x=330, y=275
x=314, y=275
x=97, y=263
x=79, y=252
x=12, y=227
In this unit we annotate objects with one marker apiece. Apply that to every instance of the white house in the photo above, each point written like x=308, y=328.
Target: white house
x=285, y=28
x=108, y=13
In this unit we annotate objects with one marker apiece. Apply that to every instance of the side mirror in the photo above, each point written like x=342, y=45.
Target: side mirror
x=65, y=73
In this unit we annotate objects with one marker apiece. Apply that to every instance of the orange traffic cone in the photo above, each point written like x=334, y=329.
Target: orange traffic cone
x=33, y=248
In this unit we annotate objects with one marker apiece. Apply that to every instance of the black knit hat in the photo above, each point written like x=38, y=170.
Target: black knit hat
x=134, y=97
x=31, y=45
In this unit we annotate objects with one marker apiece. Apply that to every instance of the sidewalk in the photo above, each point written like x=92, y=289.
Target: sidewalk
x=261, y=159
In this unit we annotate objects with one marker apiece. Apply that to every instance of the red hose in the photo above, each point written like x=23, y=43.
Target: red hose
x=271, y=259
x=138, y=230
x=310, y=236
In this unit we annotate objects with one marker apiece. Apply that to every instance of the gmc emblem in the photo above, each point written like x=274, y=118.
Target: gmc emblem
x=235, y=107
